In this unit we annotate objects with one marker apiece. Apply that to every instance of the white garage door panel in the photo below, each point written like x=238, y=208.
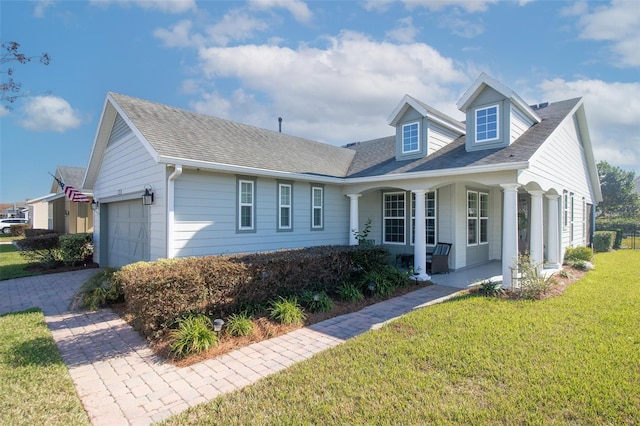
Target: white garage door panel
x=128, y=233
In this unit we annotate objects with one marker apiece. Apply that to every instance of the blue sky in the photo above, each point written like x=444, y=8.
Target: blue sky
x=334, y=70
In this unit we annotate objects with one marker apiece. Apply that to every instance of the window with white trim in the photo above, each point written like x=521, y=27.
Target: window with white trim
x=572, y=217
x=394, y=218
x=430, y=217
x=246, y=205
x=584, y=220
x=284, y=206
x=317, y=207
x=410, y=138
x=477, y=218
x=487, y=124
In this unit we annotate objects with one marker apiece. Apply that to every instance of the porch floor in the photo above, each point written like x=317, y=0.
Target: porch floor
x=465, y=277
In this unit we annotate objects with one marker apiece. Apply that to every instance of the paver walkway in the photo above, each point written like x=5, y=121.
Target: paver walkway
x=121, y=381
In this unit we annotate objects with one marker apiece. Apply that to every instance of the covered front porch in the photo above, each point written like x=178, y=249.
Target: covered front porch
x=463, y=278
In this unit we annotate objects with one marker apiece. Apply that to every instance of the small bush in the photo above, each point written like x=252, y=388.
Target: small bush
x=239, y=325
x=101, y=290
x=19, y=229
x=36, y=232
x=286, y=311
x=603, y=241
x=40, y=249
x=385, y=279
x=490, y=288
x=530, y=284
x=194, y=335
x=316, y=301
x=76, y=248
x=573, y=254
x=349, y=293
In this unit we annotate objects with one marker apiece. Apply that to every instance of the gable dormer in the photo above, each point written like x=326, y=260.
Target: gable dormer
x=421, y=130
x=496, y=115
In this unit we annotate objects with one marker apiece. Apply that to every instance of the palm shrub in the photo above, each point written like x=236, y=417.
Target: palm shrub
x=286, y=311
x=194, y=335
x=102, y=289
x=349, y=293
x=531, y=284
x=490, y=288
x=239, y=325
x=316, y=301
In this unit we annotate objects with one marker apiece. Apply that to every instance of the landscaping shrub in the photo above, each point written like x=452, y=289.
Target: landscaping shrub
x=603, y=240
x=316, y=301
x=40, y=249
x=530, y=284
x=194, y=335
x=19, y=229
x=286, y=311
x=35, y=232
x=490, y=288
x=575, y=254
x=239, y=324
x=349, y=293
x=101, y=290
x=157, y=293
x=76, y=248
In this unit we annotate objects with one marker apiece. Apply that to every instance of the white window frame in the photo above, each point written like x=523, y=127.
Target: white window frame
x=244, y=204
x=427, y=217
x=584, y=220
x=477, y=111
x=285, y=205
x=402, y=218
x=475, y=214
x=417, y=136
x=317, y=207
x=565, y=209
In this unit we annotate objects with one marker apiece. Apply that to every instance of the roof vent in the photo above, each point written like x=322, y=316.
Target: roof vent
x=280, y=124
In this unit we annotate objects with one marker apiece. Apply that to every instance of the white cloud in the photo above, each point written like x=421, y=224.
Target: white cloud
x=405, y=32
x=177, y=36
x=461, y=27
x=236, y=25
x=49, y=113
x=437, y=5
x=41, y=7
x=618, y=24
x=298, y=9
x=4, y=111
x=338, y=93
x=167, y=6
x=613, y=112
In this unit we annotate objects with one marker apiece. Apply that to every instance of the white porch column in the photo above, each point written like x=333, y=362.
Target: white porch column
x=354, y=227
x=536, y=249
x=509, y=231
x=553, y=232
x=420, y=237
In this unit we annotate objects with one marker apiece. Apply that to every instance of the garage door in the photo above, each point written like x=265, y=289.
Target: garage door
x=128, y=233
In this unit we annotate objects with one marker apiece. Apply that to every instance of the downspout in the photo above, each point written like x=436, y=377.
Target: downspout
x=170, y=207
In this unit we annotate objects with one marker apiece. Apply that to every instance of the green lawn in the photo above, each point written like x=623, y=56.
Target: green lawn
x=572, y=359
x=12, y=264
x=35, y=387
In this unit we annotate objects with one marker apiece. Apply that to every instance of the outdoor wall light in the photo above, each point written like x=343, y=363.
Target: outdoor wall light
x=147, y=197
x=316, y=297
x=217, y=324
x=95, y=205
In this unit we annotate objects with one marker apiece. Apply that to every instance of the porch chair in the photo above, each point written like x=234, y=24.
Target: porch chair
x=438, y=261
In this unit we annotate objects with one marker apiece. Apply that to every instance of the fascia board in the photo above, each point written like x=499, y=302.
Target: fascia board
x=107, y=118
x=441, y=172
x=230, y=168
x=408, y=101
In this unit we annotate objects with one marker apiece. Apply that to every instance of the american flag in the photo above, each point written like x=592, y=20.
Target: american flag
x=72, y=193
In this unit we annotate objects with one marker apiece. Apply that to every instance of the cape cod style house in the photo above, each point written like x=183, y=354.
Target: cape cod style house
x=512, y=177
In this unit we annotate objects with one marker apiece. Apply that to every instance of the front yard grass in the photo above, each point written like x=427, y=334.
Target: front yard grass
x=571, y=359
x=12, y=264
x=35, y=388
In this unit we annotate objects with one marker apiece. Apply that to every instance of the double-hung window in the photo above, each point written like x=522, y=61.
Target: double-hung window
x=477, y=218
x=394, y=218
x=410, y=138
x=284, y=206
x=317, y=207
x=487, y=124
x=246, y=205
x=430, y=218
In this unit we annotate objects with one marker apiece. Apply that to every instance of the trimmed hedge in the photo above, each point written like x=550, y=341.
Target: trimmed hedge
x=577, y=254
x=158, y=293
x=51, y=248
x=19, y=229
x=603, y=240
x=76, y=248
x=35, y=232
x=621, y=226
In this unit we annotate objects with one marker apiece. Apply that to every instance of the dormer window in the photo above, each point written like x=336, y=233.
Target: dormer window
x=487, y=124
x=410, y=138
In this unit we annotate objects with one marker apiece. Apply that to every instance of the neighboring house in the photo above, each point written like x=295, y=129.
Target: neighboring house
x=63, y=215
x=513, y=178
x=39, y=212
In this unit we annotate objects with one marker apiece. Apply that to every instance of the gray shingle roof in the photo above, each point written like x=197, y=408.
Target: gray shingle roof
x=377, y=157
x=70, y=176
x=175, y=132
